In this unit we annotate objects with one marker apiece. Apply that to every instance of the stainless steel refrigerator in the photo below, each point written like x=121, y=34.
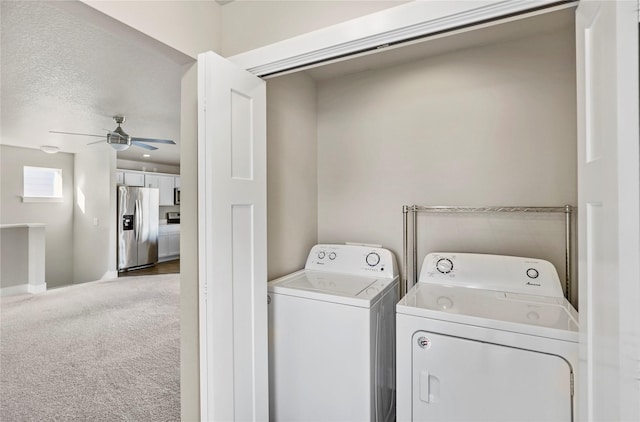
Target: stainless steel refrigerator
x=137, y=227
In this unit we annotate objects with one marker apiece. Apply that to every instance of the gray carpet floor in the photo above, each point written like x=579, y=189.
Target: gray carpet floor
x=99, y=351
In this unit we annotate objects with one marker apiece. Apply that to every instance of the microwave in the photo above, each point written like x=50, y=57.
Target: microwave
x=176, y=196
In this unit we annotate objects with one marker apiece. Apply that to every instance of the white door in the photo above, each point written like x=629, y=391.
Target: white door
x=609, y=219
x=232, y=243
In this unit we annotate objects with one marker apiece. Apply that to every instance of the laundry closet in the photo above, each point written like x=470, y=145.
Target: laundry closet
x=493, y=103
x=480, y=117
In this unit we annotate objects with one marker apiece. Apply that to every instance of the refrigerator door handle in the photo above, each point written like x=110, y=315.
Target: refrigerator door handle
x=136, y=217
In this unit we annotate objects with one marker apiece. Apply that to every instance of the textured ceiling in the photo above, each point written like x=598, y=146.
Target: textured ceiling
x=63, y=73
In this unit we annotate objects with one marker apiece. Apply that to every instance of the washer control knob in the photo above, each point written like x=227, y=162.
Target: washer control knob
x=373, y=259
x=444, y=265
x=371, y=291
x=332, y=256
x=321, y=255
x=532, y=273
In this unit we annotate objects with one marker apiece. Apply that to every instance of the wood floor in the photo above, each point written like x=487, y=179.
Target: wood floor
x=169, y=267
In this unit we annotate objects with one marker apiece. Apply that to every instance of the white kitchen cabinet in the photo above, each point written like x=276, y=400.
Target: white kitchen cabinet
x=132, y=178
x=164, y=183
x=167, y=184
x=168, y=242
x=151, y=181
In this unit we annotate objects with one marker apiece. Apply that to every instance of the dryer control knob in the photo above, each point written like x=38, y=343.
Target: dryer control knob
x=532, y=273
x=321, y=255
x=373, y=259
x=444, y=265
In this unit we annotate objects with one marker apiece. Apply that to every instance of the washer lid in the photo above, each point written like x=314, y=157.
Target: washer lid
x=527, y=314
x=332, y=287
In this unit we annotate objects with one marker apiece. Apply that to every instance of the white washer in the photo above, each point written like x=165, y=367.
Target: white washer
x=486, y=338
x=331, y=337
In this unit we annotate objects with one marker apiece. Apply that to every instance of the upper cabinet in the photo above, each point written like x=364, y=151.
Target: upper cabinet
x=165, y=183
x=133, y=178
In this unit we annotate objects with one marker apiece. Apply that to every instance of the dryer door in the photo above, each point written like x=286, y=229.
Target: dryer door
x=457, y=379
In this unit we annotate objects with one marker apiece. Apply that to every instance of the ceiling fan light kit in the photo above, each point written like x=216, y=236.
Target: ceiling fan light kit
x=118, y=139
x=117, y=146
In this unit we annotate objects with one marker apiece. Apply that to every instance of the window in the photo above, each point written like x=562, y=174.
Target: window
x=42, y=184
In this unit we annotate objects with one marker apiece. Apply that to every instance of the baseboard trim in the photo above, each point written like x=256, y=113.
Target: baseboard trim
x=37, y=288
x=23, y=288
x=109, y=275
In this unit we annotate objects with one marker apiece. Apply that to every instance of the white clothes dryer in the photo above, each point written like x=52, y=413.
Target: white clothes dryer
x=332, y=337
x=486, y=338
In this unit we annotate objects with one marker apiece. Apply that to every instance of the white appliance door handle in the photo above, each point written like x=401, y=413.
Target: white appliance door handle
x=424, y=386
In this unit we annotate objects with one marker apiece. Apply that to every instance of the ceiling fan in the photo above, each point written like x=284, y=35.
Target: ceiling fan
x=119, y=139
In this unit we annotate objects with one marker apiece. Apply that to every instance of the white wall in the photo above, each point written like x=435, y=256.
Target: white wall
x=189, y=325
x=22, y=259
x=14, y=256
x=494, y=125
x=251, y=24
x=190, y=27
x=58, y=217
x=94, y=229
x=292, y=184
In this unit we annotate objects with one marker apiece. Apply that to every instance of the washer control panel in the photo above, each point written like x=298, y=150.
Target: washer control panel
x=492, y=272
x=353, y=259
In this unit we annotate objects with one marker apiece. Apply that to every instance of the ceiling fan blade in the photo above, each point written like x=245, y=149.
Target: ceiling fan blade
x=159, y=141
x=73, y=133
x=96, y=142
x=141, y=145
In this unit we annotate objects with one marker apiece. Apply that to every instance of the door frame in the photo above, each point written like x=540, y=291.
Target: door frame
x=398, y=25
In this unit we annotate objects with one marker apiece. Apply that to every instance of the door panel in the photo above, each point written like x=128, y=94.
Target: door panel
x=147, y=226
x=241, y=136
x=458, y=379
x=127, y=242
x=232, y=241
x=609, y=216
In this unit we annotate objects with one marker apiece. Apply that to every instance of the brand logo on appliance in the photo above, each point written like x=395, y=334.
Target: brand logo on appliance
x=528, y=283
x=424, y=342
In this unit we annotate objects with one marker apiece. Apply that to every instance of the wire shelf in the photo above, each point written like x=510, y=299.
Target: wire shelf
x=410, y=212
